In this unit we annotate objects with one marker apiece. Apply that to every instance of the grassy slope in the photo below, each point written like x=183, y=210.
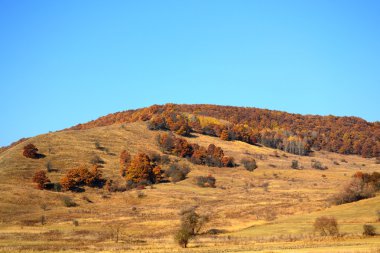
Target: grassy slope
x=296, y=197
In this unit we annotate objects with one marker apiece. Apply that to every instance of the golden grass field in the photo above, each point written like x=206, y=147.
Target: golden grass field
x=277, y=218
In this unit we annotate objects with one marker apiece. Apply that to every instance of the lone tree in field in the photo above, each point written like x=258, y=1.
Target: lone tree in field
x=326, y=226
x=41, y=179
x=30, y=151
x=191, y=224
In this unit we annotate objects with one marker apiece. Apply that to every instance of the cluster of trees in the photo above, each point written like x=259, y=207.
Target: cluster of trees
x=212, y=156
x=362, y=186
x=346, y=135
x=140, y=169
x=175, y=122
x=82, y=176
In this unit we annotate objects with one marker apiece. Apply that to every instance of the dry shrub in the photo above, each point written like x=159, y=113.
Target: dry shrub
x=369, y=230
x=249, y=163
x=326, y=226
x=177, y=172
x=68, y=202
x=208, y=181
x=318, y=165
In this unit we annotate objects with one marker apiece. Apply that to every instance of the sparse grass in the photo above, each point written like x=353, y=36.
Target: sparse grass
x=297, y=196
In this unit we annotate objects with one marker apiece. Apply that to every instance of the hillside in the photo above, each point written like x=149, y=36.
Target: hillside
x=257, y=210
x=345, y=135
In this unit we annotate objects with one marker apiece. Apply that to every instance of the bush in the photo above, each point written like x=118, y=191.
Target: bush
x=249, y=164
x=295, y=165
x=378, y=215
x=228, y=161
x=30, y=151
x=41, y=179
x=68, y=202
x=318, y=165
x=326, y=226
x=369, y=230
x=208, y=181
x=177, y=172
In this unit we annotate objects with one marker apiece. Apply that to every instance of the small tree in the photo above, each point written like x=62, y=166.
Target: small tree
x=30, y=151
x=191, y=224
x=369, y=230
x=326, y=226
x=41, y=179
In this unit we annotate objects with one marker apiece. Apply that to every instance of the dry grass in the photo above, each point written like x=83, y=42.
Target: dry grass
x=269, y=210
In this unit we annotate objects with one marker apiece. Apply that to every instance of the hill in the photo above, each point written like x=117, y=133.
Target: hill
x=271, y=209
x=345, y=135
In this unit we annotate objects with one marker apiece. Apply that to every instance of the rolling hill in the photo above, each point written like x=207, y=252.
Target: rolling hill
x=271, y=209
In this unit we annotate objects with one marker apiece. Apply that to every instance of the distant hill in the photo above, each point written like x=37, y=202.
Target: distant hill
x=293, y=133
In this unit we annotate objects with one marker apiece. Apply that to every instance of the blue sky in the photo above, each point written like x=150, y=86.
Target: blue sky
x=68, y=62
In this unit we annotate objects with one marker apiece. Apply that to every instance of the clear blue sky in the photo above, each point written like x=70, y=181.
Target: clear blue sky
x=68, y=62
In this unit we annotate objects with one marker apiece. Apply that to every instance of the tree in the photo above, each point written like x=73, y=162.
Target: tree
x=326, y=226
x=30, y=151
x=191, y=225
x=41, y=179
x=125, y=159
x=140, y=169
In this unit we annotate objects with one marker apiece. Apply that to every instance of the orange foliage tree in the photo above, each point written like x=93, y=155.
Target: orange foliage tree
x=41, y=179
x=30, y=151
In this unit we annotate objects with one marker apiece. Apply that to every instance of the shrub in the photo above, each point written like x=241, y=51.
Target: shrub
x=326, y=226
x=249, y=164
x=76, y=223
x=30, y=151
x=125, y=159
x=191, y=225
x=41, y=179
x=369, y=230
x=68, y=202
x=228, y=161
x=295, y=165
x=378, y=215
x=318, y=165
x=177, y=172
x=208, y=181
x=113, y=186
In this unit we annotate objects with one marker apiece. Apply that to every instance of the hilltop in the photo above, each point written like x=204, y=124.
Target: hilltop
x=271, y=208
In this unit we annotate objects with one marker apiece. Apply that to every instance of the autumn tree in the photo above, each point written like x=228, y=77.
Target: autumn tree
x=140, y=169
x=30, y=151
x=41, y=179
x=125, y=159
